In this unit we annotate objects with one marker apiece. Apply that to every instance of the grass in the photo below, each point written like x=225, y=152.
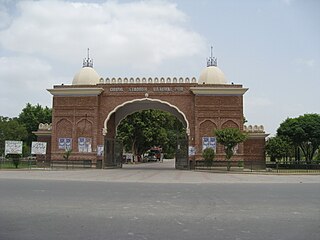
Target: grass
x=10, y=165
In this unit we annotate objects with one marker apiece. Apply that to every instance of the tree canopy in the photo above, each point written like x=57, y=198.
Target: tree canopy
x=145, y=129
x=20, y=128
x=304, y=133
x=31, y=116
x=278, y=147
x=11, y=129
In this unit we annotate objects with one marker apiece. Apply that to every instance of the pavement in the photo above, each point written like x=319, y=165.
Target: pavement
x=158, y=172
x=155, y=201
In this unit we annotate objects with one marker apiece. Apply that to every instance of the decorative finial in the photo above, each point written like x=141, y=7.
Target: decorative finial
x=212, y=61
x=87, y=62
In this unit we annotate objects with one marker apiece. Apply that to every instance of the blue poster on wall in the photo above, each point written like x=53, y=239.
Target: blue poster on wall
x=68, y=143
x=84, y=144
x=209, y=142
x=100, y=149
x=65, y=143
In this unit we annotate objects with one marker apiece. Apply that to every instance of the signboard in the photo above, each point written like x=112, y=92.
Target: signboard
x=13, y=147
x=65, y=143
x=146, y=89
x=209, y=142
x=39, y=148
x=100, y=149
x=84, y=144
x=192, y=151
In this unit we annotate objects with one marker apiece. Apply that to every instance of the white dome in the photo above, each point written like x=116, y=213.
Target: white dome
x=86, y=76
x=212, y=75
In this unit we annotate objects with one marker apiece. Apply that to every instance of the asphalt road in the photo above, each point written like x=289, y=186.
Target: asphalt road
x=78, y=209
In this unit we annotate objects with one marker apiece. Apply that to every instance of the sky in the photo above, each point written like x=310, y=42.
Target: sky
x=271, y=47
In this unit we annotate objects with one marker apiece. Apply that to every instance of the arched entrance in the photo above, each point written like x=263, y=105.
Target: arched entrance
x=85, y=114
x=113, y=147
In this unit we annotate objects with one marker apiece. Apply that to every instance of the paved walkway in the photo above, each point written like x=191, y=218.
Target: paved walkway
x=154, y=173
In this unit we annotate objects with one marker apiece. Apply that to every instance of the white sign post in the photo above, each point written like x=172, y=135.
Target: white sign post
x=13, y=147
x=39, y=148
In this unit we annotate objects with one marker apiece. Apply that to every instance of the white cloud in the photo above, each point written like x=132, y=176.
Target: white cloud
x=304, y=62
x=42, y=42
x=139, y=35
x=287, y=2
x=23, y=80
x=4, y=16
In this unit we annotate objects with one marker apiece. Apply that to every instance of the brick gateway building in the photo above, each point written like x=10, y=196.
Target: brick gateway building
x=86, y=114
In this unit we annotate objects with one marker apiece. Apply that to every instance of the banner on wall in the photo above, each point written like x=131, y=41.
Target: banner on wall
x=39, y=148
x=100, y=149
x=65, y=143
x=13, y=147
x=192, y=151
x=84, y=144
x=209, y=142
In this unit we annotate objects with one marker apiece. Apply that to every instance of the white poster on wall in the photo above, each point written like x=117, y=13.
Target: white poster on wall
x=65, y=143
x=39, y=148
x=84, y=144
x=209, y=142
x=192, y=151
x=13, y=147
x=100, y=149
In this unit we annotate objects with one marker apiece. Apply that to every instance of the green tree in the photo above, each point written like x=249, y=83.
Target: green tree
x=31, y=116
x=142, y=130
x=317, y=158
x=229, y=138
x=11, y=129
x=277, y=148
x=304, y=132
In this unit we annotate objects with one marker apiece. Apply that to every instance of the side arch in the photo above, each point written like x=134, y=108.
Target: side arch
x=64, y=128
x=84, y=128
x=229, y=124
x=207, y=127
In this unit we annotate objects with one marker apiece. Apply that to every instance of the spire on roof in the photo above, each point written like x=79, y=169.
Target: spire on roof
x=212, y=61
x=87, y=62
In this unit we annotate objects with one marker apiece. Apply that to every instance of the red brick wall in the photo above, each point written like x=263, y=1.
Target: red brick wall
x=85, y=116
x=47, y=139
x=217, y=112
x=254, y=152
x=74, y=117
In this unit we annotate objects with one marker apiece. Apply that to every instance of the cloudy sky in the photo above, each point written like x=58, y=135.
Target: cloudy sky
x=270, y=46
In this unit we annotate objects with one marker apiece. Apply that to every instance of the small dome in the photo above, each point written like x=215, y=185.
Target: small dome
x=212, y=75
x=86, y=76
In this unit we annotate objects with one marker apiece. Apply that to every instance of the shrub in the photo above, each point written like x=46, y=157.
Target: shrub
x=208, y=156
x=240, y=164
x=15, y=159
x=67, y=154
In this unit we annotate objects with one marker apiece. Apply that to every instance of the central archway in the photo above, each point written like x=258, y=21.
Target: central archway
x=129, y=107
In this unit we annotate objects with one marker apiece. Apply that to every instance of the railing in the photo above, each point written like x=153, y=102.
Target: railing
x=293, y=167
x=71, y=164
x=222, y=165
x=254, y=166
x=24, y=163
x=149, y=80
